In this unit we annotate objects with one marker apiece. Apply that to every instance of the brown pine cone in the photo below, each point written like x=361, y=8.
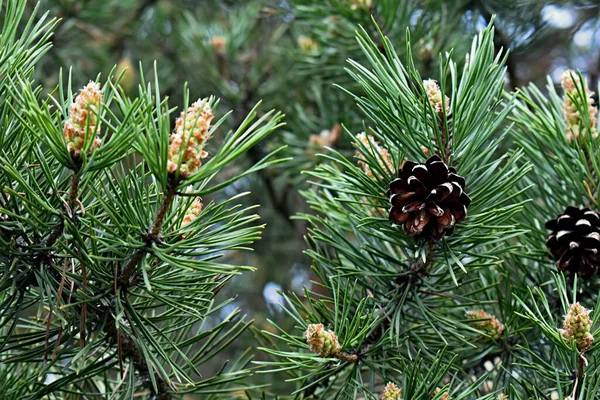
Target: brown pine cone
x=575, y=241
x=428, y=199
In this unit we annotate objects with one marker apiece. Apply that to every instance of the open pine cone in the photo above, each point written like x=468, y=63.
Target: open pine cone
x=428, y=199
x=575, y=241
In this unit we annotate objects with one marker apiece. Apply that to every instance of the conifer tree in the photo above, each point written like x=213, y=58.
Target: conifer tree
x=111, y=261
x=447, y=267
x=450, y=210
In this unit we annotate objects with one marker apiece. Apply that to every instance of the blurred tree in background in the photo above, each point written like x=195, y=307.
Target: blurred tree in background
x=291, y=55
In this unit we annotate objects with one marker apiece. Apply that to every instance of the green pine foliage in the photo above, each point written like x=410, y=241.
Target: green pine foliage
x=449, y=212
x=106, y=289
x=477, y=313
x=389, y=296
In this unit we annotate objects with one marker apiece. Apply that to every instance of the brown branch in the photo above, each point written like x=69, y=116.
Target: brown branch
x=153, y=235
x=74, y=191
x=347, y=357
x=72, y=200
x=129, y=349
x=417, y=268
x=581, y=362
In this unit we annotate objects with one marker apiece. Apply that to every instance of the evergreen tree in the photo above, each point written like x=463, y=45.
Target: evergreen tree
x=450, y=209
x=111, y=261
x=446, y=265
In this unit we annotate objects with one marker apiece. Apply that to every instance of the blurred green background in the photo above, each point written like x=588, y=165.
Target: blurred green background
x=289, y=54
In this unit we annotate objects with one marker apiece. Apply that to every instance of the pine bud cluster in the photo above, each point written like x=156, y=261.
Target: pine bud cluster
x=219, y=44
x=391, y=392
x=307, y=45
x=192, y=131
x=192, y=212
x=445, y=396
x=434, y=95
x=84, y=121
x=486, y=323
x=323, y=342
x=577, y=325
x=326, y=138
x=571, y=84
x=383, y=155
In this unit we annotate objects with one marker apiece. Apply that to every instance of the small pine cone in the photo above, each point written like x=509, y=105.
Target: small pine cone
x=381, y=154
x=571, y=84
x=84, y=121
x=192, y=131
x=434, y=95
x=486, y=323
x=577, y=325
x=391, y=392
x=428, y=199
x=575, y=241
x=445, y=396
x=321, y=341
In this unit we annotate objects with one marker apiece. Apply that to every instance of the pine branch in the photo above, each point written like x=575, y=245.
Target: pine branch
x=153, y=235
x=581, y=363
x=128, y=349
x=417, y=268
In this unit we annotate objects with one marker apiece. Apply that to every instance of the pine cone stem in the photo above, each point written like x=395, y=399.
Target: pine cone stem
x=581, y=362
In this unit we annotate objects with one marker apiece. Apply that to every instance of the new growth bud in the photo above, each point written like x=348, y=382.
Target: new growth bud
x=307, y=45
x=361, y=4
x=434, y=95
x=218, y=43
x=84, y=122
x=444, y=396
x=572, y=86
x=381, y=154
x=391, y=392
x=192, y=212
x=486, y=323
x=576, y=327
x=192, y=131
x=321, y=341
